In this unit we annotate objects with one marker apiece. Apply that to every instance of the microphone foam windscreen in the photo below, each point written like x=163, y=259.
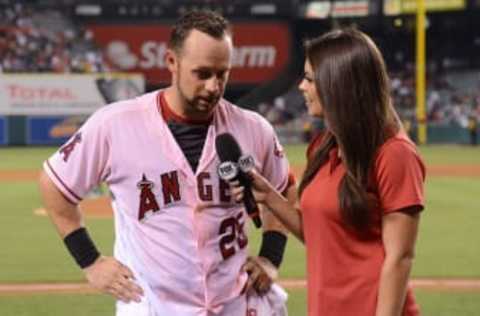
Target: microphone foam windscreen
x=227, y=148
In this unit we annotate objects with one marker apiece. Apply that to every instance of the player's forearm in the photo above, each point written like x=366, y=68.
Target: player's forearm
x=65, y=216
x=393, y=286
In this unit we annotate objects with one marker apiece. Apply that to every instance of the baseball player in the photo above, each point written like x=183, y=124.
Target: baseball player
x=180, y=246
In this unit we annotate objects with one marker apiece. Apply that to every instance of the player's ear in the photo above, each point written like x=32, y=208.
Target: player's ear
x=171, y=60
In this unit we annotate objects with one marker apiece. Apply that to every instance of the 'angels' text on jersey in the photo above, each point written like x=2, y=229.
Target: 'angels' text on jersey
x=171, y=193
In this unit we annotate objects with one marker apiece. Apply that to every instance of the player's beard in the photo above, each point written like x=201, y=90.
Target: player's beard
x=204, y=104
x=199, y=105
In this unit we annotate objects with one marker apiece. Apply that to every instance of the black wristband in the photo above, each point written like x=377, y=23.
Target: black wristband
x=81, y=247
x=273, y=246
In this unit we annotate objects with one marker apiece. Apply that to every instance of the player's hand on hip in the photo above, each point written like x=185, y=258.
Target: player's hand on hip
x=112, y=277
x=261, y=274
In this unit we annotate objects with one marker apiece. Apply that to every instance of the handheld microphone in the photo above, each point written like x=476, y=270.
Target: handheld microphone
x=234, y=166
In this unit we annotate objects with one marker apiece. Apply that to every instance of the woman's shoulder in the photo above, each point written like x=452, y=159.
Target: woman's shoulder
x=399, y=152
x=397, y=145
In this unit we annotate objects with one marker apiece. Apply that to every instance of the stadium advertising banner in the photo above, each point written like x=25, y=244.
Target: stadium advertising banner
x=396, y=7
x=325, y=9
x=261, y=50
x=3, y=131
x=64, y=94
x=52, y=130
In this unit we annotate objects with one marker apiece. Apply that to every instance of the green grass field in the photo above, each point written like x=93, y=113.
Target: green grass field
x=447, y=245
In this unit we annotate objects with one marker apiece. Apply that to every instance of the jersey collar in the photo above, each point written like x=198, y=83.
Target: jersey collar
x=169, y=115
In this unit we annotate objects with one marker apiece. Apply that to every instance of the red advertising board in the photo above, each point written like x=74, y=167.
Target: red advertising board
x=261, y=50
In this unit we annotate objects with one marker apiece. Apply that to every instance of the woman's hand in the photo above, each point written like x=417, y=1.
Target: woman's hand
x=281, y=207
x=262, y=190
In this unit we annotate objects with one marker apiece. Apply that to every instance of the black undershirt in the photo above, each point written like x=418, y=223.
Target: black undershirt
x=191, y=139
x=189, y=134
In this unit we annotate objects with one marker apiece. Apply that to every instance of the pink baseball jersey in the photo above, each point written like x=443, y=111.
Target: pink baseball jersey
x=181, y=233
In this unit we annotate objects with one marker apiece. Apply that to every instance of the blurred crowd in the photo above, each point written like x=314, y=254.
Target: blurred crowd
x=49, y=41
x=452, y=99
x=45, y=41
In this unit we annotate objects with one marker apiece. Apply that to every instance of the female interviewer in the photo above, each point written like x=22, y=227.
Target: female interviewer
x=362, y=190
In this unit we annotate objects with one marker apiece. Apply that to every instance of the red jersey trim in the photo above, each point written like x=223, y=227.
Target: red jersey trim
x=169, y=115
x=64, y=186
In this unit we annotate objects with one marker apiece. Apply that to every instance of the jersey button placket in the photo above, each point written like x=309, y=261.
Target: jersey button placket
x=197, y=230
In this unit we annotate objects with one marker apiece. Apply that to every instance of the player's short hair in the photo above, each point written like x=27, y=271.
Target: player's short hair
x=206, y=21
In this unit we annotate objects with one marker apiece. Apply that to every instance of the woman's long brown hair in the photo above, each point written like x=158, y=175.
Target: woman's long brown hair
x=353, y=87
